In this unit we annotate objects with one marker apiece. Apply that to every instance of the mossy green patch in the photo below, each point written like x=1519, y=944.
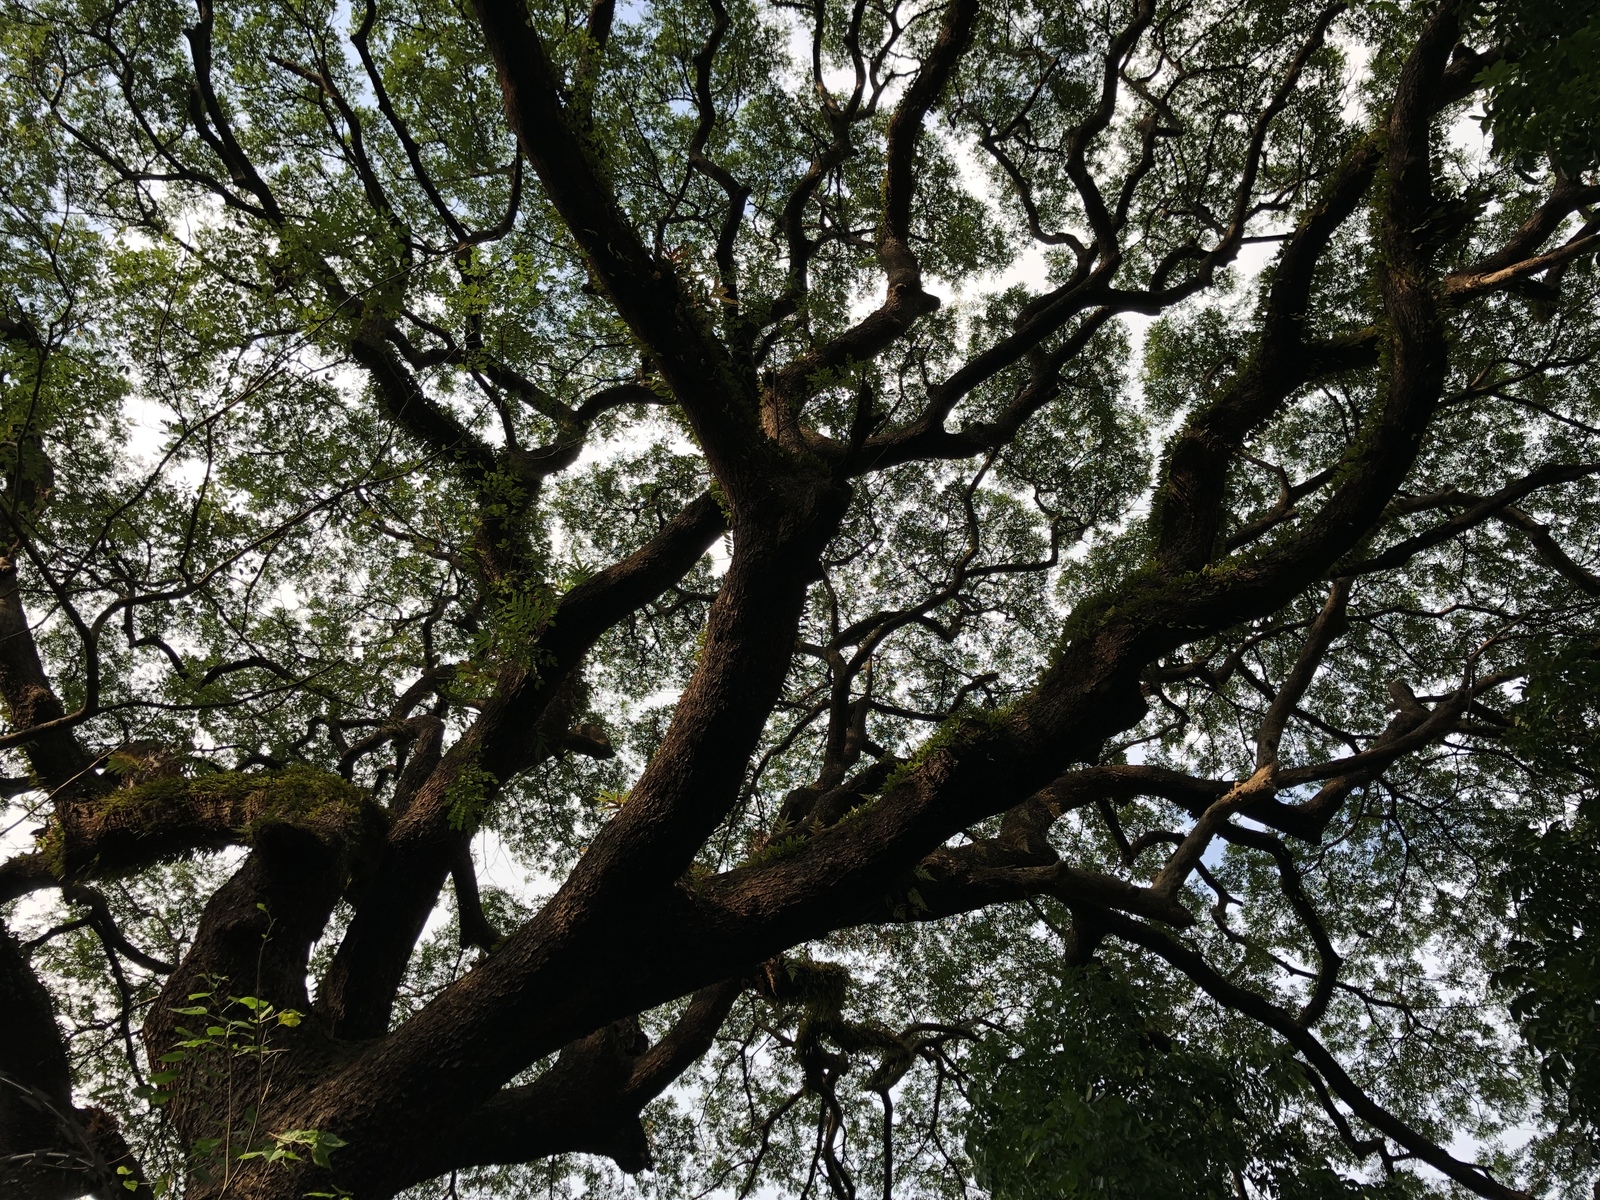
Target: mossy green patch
x=123, y=829
x=957, y=729
x=294, y=796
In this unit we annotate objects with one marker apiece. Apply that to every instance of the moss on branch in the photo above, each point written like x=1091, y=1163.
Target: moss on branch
x=126, y=829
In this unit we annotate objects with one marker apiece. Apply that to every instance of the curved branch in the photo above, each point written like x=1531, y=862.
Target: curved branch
x=643, y=287
x=1256, y=1006
x=510, y=736
x=1477, y=514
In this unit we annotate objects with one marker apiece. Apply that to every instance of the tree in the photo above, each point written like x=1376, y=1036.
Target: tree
x=1014, y=574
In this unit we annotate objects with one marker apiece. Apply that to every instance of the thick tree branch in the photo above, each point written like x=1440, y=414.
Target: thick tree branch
x=589, y=1101
x=950, y=882
x=1550, y=551
x=114, y=832
x=511, y=734
x=58, y=761
x=49, y=1149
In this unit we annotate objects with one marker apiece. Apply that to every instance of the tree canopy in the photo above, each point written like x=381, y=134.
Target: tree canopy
x=919, y=598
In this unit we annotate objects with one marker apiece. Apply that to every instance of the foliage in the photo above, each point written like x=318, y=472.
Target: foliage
x=491, y=576
x=1552, y=966
x=1096, y=1094
x=1544, y=96
x=230, y=1029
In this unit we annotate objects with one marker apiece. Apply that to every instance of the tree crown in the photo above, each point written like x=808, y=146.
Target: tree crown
x=848, y=596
